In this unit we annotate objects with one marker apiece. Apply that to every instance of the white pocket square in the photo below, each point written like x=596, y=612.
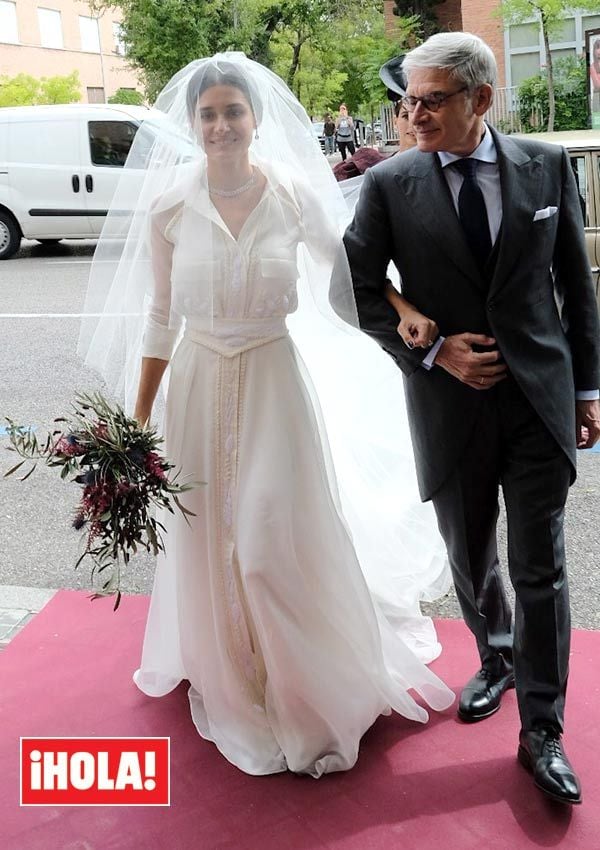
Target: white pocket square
x=545, y=213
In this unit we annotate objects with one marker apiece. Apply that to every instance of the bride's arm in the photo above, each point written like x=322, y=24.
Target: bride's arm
x=159, y=333
x=151, y=375
x=415, y=329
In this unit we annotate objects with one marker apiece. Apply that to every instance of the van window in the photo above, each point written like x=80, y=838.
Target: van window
x=578, y=166
x=110, y=141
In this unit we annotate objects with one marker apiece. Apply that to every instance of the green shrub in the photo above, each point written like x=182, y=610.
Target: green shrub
x=131, y=97
x=25, y=90
x=570, y=91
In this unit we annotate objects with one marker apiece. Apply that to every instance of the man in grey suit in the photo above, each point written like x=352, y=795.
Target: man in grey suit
x=487, y=234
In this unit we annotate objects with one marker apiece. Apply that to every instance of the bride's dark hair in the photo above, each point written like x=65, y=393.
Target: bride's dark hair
x=221, y=75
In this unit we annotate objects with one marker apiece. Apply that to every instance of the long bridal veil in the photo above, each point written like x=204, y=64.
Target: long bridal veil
x=356, y=390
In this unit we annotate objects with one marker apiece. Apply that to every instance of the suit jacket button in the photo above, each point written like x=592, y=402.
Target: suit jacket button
x=491, y=306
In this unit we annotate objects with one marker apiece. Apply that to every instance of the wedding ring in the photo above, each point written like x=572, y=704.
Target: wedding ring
x=482, y=381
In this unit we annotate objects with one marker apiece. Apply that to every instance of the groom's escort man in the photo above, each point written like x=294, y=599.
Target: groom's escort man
x=487, y=233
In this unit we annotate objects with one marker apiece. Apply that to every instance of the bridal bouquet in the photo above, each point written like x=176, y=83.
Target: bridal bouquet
x=116, y=462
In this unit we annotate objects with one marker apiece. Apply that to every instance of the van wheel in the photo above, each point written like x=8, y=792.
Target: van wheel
x=10, y=236
x=48, y=241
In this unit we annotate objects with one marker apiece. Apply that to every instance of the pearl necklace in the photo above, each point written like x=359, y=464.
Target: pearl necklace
x=232, y=193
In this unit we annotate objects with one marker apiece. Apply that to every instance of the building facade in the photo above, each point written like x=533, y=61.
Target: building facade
x=519, y=49
x=47, y=38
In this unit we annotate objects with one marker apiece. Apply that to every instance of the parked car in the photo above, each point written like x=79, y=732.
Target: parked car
x=583, y=147
x=59, y=167
x=318, y=128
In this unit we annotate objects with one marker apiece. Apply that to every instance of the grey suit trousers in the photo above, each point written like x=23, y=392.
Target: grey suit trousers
x=512, y=448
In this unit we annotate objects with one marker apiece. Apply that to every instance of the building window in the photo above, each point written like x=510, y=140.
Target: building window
x=50, y=28
x=95, y=94
x=524, y=65
x=90, y=37
x=524, y=35
x=563, y=53
x=524, y=45
x=9, y=32
x=118, y=43
x=591, y=23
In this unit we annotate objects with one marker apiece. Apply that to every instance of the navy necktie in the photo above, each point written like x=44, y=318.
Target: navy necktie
x=472, y=212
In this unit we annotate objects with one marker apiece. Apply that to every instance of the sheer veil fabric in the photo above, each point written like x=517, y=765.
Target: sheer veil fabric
x=292, y=603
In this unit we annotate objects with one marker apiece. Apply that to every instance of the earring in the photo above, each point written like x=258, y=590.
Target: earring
x=256, y=133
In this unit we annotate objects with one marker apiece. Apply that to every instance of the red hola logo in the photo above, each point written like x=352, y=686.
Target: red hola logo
x=95, y=772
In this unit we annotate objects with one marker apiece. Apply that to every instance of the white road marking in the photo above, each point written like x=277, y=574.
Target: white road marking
x=65, y=315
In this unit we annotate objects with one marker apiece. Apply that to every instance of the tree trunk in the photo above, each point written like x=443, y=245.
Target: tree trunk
x=549, y=66
x=295, y=62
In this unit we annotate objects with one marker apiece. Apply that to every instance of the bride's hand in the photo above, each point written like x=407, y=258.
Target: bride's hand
x=142, y=415
x=417, y=330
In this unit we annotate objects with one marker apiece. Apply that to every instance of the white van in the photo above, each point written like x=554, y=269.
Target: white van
x=59, y=167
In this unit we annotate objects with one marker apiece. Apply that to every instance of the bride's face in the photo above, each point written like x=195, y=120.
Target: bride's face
x=226, y=121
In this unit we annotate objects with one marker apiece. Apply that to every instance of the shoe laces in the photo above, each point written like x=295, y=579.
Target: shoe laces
x=488, y=675
x=552, y=743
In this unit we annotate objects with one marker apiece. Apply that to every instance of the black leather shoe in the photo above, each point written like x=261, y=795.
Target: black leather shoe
x=541, y=752
x=481, y=696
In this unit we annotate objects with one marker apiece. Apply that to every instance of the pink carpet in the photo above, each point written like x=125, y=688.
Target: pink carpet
x=415, y=787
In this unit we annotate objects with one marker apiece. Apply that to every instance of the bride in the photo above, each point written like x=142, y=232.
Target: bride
x=291, y=649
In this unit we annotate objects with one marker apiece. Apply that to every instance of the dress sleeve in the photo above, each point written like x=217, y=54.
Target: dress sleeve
x=318, y=230
x=160, y=329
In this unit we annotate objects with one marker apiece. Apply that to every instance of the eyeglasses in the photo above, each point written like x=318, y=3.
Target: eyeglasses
x=431, y=102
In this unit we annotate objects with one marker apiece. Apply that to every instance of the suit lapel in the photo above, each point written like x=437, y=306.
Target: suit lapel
x=427, y=192
x=520, y=184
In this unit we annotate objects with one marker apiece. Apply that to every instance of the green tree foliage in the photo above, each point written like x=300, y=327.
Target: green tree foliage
x=423, y=11
x=340, y=60
x=570, y=97
x=365, y=48
x=326, y=50
x=21, y=90
x=25, y=90
x=550, y=14
x=317, y=82
x=161, y=36
x=60, y=89
x=132, y=97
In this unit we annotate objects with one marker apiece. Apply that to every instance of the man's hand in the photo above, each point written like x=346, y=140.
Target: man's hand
x=587, y=418
x=479, y=370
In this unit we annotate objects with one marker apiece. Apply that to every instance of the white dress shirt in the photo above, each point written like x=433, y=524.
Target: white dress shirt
x=488, y=177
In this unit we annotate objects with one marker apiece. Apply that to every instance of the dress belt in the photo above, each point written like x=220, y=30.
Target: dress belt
x=231, y=338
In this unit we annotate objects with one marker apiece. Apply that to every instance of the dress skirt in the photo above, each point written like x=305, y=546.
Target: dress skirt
x=260, y=601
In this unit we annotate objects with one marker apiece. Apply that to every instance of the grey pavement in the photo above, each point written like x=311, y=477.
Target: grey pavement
x=18, y=605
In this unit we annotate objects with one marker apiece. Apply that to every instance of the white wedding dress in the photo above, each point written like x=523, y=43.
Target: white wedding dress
x=260, y=602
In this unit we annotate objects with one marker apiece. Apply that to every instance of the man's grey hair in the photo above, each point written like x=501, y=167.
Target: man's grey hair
x=467, y=57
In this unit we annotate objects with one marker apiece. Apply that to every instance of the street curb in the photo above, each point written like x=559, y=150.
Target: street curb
x=18, y=605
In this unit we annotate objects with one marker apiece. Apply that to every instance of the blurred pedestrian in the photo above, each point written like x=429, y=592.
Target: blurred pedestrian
x=329, y=133
x=344, y=132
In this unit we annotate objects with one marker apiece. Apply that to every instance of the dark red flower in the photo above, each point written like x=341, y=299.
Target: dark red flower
x=68, y=446
x=155, y=465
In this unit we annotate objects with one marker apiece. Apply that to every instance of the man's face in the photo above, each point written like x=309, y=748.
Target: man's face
x=458, y=124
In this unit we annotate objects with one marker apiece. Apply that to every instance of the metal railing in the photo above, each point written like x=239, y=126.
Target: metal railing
x=506, y=114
